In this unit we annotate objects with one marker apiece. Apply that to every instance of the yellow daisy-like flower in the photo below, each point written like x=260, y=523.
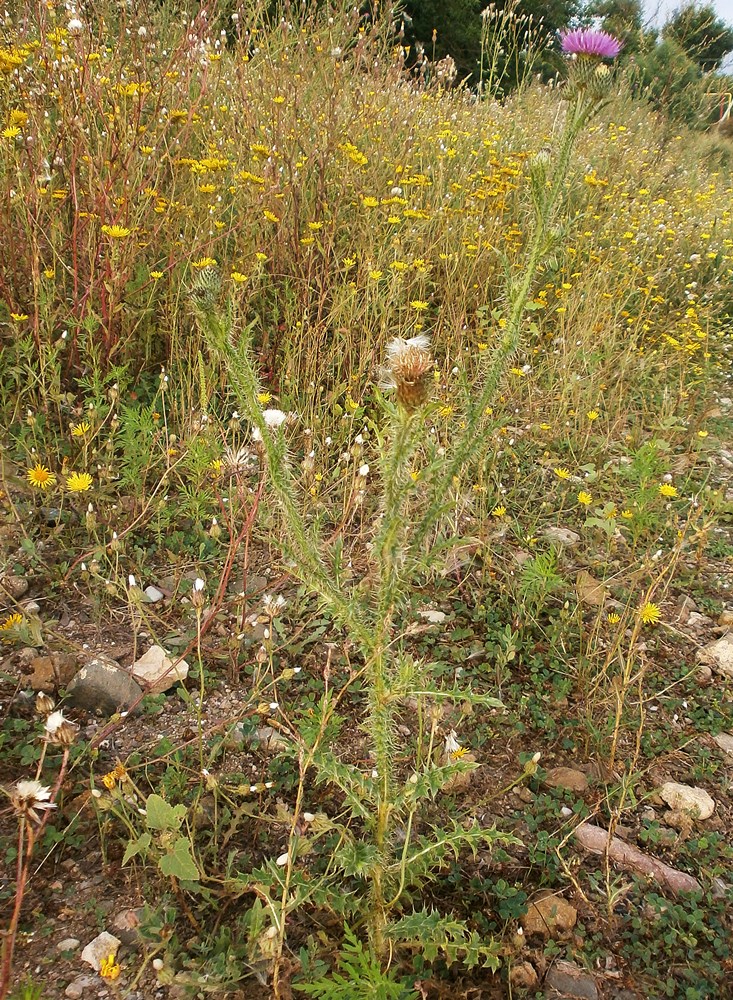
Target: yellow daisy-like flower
x=10, y=622
x=116, y=232
x=627, y=514
x=499, y=511
x=592, y=415
x=702, y=434
x=80, y=429
x=12, y=132
x=460, y=753
x=667, y=490
x=613, y=618
x=238, y=277
x=41, y=477
x=585, y=499
x=203, y=262
x=19, y=317
x=271, y=217
x=78, y=482
x=156, y=275
x=419, y=305
x=263, y=398
x=650, y=613
x=562, y=473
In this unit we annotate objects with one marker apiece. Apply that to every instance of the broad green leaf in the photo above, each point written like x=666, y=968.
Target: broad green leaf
x=135, y=847
x=161, y=815
x=179, y=862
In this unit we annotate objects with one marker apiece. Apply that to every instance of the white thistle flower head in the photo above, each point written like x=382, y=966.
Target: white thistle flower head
x=59, y=730
x=237, y=461
x=30, y=799
x=364, y=471
x=273, y=605
x=74, y=25
x=273, y=419
x=451, y=742
x=407, y=370
x=54, y=722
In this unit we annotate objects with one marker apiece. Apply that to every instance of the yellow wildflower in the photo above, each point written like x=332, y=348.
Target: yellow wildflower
x=562, y=473
x=41, y=477
x=667, y=490
x=78, y=482
x=116, y=232
x=585, y=499
x=650, y=613
x=80, y=429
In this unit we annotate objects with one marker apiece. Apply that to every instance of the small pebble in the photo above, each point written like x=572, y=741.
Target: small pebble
x=68, y=944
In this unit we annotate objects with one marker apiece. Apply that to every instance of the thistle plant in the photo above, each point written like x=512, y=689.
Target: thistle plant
x=379, y=848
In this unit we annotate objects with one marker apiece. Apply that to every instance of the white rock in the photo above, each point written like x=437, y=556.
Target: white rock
x=725, y=742
x=153, y=594
x=685, y=798
x=434, y=617
x=101, y=947
x=719, y=655
x=562, y=536
x=153, y=670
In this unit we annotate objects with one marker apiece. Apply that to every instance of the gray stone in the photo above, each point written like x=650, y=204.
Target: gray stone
x=270, y=739
x=718, y=655
x=155, y=671
x=153, y=594
x=561, y=536
x=726, y=617
x=684, y=606
x=14, y=586
x=568, y=980
x=103, y=686
x=82, y=985
x=68, y=944
x=126, y=926
x=725, y=742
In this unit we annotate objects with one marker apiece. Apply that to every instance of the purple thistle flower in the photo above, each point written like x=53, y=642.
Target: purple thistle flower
x=588, y=42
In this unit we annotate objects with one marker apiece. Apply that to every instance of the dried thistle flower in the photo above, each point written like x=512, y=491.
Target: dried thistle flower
x=407, y=371
x=59, y=730
x=44, y=704
x=30, y=799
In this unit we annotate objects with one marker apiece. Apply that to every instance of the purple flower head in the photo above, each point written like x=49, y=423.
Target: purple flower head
x=588, y=42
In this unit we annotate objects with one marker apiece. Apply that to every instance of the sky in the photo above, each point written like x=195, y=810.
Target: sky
x=659, y=10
